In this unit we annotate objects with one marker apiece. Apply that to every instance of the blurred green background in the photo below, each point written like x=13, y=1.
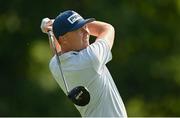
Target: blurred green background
x=145, y=65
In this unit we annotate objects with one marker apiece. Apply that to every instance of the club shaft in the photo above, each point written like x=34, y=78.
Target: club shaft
x=52, y=41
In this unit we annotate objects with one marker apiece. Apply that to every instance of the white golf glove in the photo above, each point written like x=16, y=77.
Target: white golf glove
x=46, y=25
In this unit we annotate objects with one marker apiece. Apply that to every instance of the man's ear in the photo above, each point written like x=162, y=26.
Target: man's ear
x=62, y=40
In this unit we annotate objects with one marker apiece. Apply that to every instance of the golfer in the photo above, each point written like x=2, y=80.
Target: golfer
x=84, y=64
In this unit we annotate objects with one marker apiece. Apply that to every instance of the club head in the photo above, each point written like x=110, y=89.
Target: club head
x=79, y=96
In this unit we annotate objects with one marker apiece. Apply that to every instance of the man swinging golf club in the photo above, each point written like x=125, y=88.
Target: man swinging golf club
x=80, y=67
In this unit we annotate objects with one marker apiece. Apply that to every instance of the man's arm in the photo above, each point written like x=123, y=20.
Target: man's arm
x=46, y=25
x=102, y=31
x=58, y=47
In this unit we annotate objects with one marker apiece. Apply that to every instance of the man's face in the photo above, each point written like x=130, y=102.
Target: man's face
x=78, y=39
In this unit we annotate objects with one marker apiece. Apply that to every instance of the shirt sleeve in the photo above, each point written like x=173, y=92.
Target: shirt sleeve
x=100, y=54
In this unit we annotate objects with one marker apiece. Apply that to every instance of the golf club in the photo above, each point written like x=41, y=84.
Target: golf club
x=78, y=95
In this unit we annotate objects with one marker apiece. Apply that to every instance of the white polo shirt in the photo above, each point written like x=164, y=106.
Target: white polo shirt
x=88, y=68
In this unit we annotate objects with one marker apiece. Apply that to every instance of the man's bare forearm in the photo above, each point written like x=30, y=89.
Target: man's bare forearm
x=102, y=30
x=58, y=47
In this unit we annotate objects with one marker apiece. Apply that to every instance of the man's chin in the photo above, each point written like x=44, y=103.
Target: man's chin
x=84, y=47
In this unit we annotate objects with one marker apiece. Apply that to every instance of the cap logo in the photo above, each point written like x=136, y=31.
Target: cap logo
x=73, y=18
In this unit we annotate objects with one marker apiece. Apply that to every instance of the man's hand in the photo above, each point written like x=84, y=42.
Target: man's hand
x=46, y=25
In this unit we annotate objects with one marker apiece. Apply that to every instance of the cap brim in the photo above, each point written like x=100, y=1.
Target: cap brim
x=82, y=23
